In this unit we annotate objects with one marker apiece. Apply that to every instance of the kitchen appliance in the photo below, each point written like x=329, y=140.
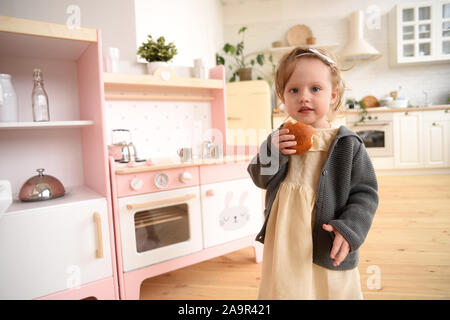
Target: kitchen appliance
x=5, y=196
x=162, y=221
x=376, y=132
x=122, y=149
x=357, y=48
x=41, y=187
x=9, y=111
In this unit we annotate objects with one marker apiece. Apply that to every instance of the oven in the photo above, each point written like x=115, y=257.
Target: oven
x=159, y=226
x=376, y=132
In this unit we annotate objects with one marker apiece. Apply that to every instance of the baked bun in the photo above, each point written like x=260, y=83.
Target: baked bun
x=303, y=135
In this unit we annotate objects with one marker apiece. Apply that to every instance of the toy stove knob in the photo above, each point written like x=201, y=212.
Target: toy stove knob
x=185, y=177
x=136, y=184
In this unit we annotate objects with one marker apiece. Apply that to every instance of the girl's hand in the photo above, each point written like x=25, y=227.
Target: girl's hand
x=339, y=245
x=282, y=141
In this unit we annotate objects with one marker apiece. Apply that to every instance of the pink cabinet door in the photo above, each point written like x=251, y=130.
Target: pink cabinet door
x=230, y=210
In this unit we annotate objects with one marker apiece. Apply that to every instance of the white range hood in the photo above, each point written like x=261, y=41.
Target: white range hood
x=357, y=48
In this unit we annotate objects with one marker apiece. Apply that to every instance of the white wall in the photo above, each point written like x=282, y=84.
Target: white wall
x=194, y=26
x=269, y=20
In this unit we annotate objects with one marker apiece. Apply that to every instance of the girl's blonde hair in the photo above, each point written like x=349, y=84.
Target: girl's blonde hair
x=286, y=68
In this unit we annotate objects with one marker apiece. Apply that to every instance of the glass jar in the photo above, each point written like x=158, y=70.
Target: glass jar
x=9, y=111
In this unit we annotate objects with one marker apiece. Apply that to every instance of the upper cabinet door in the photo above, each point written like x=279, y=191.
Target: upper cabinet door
x=443, y=29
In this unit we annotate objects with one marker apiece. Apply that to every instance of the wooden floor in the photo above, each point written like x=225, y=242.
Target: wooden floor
x=409, y=244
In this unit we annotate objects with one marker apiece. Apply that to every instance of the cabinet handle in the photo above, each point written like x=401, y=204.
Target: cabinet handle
x=436, y=124
x=132, y=206
x=98, y=222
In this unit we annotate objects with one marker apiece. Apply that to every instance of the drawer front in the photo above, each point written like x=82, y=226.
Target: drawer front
x=223, y=172
x=436, y=115
x=230, y=210
x=140, y=183
x=53, y=249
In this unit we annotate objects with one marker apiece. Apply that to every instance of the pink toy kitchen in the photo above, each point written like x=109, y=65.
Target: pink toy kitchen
x=111, y=178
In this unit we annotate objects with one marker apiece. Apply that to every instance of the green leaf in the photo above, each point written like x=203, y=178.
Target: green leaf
x=227, y=47
x=259, y=78
x=242, y=30
x=260, y=59
x=252, y=62
x=219, y=60
x=240, y=48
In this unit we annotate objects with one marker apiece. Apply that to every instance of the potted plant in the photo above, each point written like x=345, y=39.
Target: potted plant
x=240, y=64
x=157, y=53
x=351, y=103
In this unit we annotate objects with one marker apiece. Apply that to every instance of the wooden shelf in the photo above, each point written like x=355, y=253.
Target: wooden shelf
x=35, y=39
x=163, y=85
x=45, y=125
x=280, y=51
x=46, y=29
x=144, y=96
x=157, y=80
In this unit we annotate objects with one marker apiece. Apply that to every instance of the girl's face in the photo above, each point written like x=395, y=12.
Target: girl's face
x=309, y=93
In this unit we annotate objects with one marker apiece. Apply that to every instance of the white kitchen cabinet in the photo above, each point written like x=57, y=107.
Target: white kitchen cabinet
x=420, y=32
x=436, y=139
x=230, y=210
x=408, y=140
x=51, y=249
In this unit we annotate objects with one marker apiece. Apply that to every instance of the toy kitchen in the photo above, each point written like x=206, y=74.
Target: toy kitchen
x=151, y=184
x=177, y=198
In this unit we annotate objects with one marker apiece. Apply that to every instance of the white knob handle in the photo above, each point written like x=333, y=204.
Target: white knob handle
x=185, y=177
x=136, y=184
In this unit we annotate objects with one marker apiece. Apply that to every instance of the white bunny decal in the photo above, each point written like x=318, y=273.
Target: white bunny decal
x=233, y=218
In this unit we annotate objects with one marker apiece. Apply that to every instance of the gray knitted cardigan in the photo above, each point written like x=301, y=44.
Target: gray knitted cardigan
x=346, y=198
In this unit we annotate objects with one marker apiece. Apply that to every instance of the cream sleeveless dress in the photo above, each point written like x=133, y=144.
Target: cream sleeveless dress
x=287, y=268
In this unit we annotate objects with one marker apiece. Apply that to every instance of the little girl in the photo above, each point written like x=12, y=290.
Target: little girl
x=319, y=204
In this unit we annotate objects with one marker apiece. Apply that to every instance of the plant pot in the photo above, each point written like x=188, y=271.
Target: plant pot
x=245, y=74
x=153, y=66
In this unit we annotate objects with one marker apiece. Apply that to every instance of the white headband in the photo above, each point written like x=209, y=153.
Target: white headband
x=314, y=51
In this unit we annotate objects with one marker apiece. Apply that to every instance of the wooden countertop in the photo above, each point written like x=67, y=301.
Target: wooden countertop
x=383, y=109
x=163, y=164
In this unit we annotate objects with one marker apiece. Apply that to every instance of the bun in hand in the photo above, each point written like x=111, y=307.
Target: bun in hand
x=303, y=135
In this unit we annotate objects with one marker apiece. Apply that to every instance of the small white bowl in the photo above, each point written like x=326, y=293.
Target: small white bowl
x=398, y=103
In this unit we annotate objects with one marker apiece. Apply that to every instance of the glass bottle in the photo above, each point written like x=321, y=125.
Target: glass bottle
x=39, y=98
